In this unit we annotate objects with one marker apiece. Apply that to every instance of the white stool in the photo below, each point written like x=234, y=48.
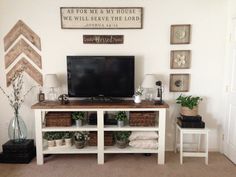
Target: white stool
x=197, y=131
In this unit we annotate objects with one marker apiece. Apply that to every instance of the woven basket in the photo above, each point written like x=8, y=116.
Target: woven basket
x=141, y=118
x=189, y=112
x=58, y=119
x=108, y=139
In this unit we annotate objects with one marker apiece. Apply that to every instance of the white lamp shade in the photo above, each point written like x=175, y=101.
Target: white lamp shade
x=149, y=81
x=51, y=80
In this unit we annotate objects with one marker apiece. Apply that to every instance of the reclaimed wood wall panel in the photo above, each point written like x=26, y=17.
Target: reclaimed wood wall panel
x=22, y=47
x=28, y=68
x=21, y=28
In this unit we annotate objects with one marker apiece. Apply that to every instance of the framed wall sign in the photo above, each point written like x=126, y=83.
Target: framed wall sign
x=179, y=82
x=101, y=17
x=180, y=34
x=103, y=39
x=180, y=59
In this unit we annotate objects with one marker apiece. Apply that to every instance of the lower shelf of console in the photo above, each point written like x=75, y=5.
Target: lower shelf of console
x=94, y=150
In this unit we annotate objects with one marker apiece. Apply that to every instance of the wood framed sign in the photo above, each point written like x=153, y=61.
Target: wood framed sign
x=101, y=17
x=103, y=39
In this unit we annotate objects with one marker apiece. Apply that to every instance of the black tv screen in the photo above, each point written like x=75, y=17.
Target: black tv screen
x=96, y=76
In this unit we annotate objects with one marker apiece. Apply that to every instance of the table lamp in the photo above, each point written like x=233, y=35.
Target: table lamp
x=149, y=84
x=51, y=82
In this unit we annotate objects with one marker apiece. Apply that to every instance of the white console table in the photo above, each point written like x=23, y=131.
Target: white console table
x=100, y=108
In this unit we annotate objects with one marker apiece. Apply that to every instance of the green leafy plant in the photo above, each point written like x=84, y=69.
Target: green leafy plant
x=188, y=101
x=49, y=136
x=58, y=135
x=121, y=116
x=67, y=135
x=80, y=136
x=122, y=135
x=78, y=115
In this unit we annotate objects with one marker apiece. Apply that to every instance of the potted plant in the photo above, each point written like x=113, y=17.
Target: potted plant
x=78, y=117
x=138, y=94
x=79, y=139
x=189, y=105
x=58, y=138
x=121, y=117
x=122, y=138
x=49, y=136
x=67, y=138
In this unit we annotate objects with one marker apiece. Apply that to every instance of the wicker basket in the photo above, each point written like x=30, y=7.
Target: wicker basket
x=108, y=139
x=58, y=119
x=189, y=112
x=141, y=118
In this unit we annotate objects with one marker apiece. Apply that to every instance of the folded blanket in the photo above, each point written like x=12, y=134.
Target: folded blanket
x=144, y=144
x=140, y=135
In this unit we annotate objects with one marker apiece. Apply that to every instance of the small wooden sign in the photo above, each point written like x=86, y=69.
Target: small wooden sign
x=103, y=39
x=101, y=17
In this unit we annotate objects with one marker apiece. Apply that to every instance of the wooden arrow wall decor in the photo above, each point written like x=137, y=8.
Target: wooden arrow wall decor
x=23, y=47
x=28, y=68
x=21, y=28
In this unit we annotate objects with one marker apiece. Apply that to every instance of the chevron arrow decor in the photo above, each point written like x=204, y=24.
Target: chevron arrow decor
x=21, y=28
x=28, y=68
x=22, y=46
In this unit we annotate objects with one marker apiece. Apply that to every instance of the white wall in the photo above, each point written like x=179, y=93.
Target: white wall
x=150, y=45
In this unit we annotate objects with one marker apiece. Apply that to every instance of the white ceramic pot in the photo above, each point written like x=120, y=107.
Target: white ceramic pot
x=137, y=99
x=59, y=142
x=68, y=142
x=51, y=143
x=120, y=123
x=78, y=123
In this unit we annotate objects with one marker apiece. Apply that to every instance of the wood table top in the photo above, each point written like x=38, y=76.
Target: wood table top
x=95, y=105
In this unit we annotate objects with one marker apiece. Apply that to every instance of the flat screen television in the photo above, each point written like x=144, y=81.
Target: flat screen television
x=100, y=76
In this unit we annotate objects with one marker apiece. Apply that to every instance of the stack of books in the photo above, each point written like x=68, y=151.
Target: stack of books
x=190, y=121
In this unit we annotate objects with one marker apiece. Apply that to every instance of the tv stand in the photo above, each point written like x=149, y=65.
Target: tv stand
x=101, y=109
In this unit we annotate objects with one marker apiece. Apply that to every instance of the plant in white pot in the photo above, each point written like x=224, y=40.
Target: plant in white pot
x=78, y=117
x=67, y=136
x=58, y=138
x=49, y=136
x=189, y=104
x=122, y=138
x=121, y=117
x=138, y=94
x=80, y=139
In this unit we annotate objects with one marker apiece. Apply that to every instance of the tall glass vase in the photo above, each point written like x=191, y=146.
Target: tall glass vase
x=17, y=130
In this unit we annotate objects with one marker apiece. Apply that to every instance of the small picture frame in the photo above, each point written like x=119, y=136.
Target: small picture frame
x=180, y=59
x=179, y=82
x=180, y=34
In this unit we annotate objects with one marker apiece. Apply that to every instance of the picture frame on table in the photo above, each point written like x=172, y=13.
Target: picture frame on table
x=180, y=34
x=179, y=82
x=180, y=59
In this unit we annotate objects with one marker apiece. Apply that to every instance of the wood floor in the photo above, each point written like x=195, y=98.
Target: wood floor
x=122, y=165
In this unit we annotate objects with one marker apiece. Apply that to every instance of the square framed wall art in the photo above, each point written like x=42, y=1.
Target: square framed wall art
x=180, y=59
x=179, y=82
x=180, y=34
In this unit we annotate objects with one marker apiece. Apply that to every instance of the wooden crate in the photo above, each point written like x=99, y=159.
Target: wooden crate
x=141, y=118
x=58, y=119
